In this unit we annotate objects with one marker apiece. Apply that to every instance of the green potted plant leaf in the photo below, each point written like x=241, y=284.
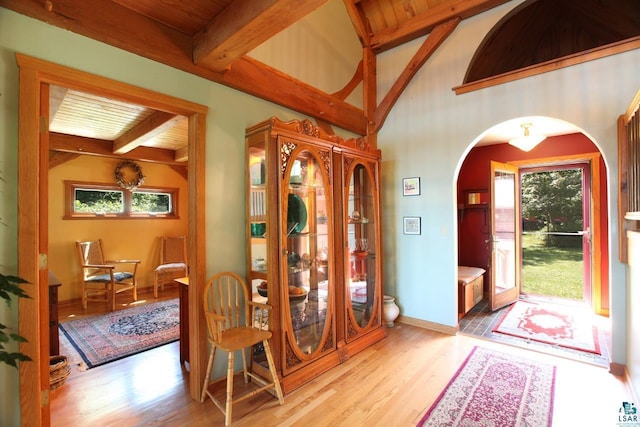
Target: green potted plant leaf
x=9, y=285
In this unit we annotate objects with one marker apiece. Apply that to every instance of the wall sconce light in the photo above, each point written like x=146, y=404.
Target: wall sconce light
x=527, y=142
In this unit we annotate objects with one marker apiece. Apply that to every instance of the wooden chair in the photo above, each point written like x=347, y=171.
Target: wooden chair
x=101, y=277
x=173, y=262
x=225, y=299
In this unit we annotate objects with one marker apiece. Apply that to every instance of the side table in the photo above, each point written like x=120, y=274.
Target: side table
x=183, y=285
x=54, y=339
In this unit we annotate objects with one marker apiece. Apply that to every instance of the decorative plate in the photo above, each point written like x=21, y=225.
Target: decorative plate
x=296, y=215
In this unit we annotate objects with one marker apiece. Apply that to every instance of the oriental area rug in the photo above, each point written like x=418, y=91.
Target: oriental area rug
x=565, y=325
x=495, y=389
x=105, y=338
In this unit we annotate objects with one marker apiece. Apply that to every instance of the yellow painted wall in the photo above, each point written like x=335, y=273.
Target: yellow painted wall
x=122, y=238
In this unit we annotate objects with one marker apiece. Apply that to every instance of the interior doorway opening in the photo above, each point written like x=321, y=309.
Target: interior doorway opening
x=476, y=240
x=36, y=78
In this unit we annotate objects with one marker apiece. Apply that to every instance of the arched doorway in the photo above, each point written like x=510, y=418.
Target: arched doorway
x=566, y=145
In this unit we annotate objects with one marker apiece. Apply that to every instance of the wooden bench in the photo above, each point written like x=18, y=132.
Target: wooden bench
x=470, y=288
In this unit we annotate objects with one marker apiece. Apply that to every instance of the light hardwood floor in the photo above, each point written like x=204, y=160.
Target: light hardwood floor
x=392, y=383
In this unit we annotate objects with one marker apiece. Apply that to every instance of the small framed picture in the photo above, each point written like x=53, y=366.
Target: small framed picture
x=411, y=186
x=411, y=225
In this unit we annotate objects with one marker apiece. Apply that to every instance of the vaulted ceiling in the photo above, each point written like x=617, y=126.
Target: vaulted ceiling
x=211, y=39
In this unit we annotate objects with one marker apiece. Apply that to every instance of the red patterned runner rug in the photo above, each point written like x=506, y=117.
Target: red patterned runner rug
x=495, y=389
x=565, y=325
x=105, y=338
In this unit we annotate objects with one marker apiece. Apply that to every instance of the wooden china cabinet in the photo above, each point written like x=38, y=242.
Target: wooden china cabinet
x=313, y=246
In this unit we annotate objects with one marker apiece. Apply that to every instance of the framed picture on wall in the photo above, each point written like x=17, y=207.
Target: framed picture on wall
x=411, y=225
x=411, y=186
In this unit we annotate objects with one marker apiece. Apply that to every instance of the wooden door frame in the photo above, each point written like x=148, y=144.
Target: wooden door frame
x=593, y=159
x=33, y=167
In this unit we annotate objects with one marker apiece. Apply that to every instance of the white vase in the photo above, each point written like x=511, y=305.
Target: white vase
x=390, y=310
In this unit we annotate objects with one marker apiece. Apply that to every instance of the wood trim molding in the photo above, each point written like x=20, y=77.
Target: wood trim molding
x=432, y=326
x=620, y=370
x=32, y=409
x=552, y=65
x=633, y=107
x=626, y=220
x=33, y=168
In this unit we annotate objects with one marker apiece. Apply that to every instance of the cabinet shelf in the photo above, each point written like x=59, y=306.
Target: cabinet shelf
x=362, y=221
x=258, y=274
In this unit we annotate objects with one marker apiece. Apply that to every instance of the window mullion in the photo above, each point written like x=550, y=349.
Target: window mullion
x=128, y=196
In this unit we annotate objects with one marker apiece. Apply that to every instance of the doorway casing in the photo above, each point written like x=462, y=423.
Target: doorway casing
x=33, y=165
x=593, y=160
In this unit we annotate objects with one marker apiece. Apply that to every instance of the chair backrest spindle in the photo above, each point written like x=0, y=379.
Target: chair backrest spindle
x=226, y=296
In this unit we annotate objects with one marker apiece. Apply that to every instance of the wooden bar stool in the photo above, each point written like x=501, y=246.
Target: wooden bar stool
x=225, y=299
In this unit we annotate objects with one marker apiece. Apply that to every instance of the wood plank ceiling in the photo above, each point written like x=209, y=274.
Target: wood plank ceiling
x=211, y=39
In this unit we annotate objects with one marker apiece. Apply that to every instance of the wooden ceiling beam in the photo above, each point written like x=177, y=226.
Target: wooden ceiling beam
x=183, y=171
x=430, y=45
x=269, y=82
x=125, y=29
x=243, y=26
x=99, y=147
x=154, y=125
x=360, y=24
x=351, y=85
x=370, y=93
x=57, y=158
x=424, y=23
x=181, y=155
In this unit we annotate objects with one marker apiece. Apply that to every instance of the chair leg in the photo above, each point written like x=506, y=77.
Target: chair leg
x=229, y=404
x=205, y=386
x=112, y=296
x=244, y=365
x=84, y=296
x=135, y=290
x=155, y=286
x=274, y=373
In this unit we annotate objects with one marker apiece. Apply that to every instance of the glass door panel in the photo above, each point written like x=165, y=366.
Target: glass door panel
x=308, y=289
x=505, y=244
x=361, y=265
x=257, y=250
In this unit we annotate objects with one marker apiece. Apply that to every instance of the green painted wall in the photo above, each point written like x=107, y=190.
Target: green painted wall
x=230, y=112
x=427, y=134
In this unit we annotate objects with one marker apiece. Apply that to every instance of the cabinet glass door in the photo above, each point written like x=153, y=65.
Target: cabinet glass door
x=257, y=206
x=361, y=265
x=306, y=223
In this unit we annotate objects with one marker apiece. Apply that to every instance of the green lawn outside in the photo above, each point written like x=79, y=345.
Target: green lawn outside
x=551, y=271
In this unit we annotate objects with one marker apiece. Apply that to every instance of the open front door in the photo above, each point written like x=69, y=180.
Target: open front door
x=505, y=235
